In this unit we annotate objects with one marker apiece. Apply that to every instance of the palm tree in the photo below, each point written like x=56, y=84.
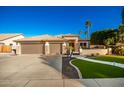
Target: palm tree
x=80, y=32
x=88, y=25
x=86, y=34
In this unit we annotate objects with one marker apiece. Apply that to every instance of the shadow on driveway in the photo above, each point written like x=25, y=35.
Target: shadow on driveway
x=53, y=60
x=62, y=65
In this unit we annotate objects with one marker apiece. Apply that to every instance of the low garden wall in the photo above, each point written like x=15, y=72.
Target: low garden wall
x=93, y=51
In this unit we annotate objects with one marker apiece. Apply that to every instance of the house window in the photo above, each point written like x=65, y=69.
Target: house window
x=81, y=44
x=11, y=44
x=85, y=44
x=2, y=44
x=71, y=44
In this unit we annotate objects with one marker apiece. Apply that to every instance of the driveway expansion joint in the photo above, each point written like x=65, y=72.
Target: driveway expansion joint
x=27, y=83
x=97, y=83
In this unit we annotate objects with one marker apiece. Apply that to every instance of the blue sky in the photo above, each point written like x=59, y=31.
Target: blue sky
x=36, y=20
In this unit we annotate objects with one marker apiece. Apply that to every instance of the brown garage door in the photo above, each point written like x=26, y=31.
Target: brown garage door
x=32, y=48
x=55, y=48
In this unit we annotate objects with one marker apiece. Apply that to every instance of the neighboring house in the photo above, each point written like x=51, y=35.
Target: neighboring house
x=7, y=42
x=47, y=44
x=8, y=39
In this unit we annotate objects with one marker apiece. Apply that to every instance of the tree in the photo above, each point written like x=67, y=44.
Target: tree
x=80, y=32
x=86, y=34
x=98, y=37
x=119, y=50
x=88, y=25
x=107, y=42
x=121, y=33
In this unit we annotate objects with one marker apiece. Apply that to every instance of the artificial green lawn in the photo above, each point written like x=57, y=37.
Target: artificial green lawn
x=97, y=70
x=111, y=58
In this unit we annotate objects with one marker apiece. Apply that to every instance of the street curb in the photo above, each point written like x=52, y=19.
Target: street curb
x=102, y=62
x=79, y=73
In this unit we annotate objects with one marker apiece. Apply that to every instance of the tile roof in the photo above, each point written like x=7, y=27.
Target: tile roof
x=42, y=38
x=7, y=36
x=69, y=34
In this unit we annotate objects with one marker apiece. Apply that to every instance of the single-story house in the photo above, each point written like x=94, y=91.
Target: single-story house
x=48, y=44
x=7, y=43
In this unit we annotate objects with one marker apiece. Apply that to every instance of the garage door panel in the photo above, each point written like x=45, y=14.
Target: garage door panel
x=32, y=48
x=55, y=49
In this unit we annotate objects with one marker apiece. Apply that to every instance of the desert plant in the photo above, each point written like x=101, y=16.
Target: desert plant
x=97, y=54
x=108, y=42
x=118, y=50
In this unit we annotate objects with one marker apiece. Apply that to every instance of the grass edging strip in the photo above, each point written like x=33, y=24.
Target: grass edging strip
x=79, y=73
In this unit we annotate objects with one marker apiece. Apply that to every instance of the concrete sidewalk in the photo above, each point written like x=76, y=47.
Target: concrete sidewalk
x=118, y=82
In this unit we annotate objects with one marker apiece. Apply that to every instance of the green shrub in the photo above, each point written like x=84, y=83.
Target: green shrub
x=118, y=50
x=97, y=54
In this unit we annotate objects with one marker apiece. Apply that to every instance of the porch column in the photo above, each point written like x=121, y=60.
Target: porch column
x=18, y=48
x=76, y=44
x=87, y=44
x=64, y=48
x=76, y=47
x=47, y=48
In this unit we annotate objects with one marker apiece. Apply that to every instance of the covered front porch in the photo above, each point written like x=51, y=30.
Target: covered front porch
x=77, y=45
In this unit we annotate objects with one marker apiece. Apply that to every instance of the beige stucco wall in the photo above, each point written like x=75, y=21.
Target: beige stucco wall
x=99, y=46
x=93, y=51
x=18, y=49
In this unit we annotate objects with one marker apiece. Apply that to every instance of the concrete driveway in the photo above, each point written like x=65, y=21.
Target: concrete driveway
x=32, y=71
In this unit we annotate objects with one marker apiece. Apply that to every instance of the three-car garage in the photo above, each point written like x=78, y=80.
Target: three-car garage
x=44, y=44
x=39, y=48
